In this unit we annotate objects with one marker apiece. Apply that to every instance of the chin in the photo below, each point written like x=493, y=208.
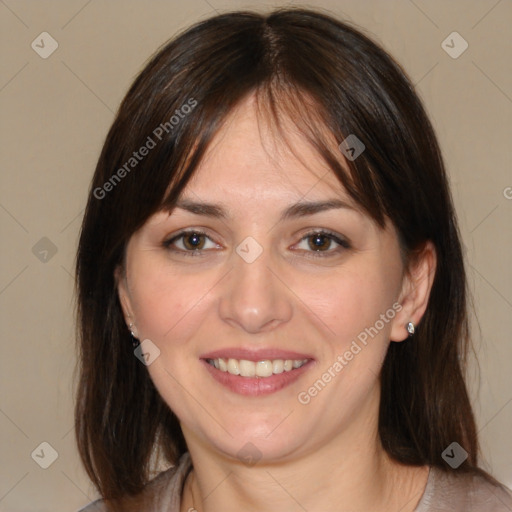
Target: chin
x=257, y=438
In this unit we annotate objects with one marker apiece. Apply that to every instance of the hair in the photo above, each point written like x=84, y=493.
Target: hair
x=324, y=75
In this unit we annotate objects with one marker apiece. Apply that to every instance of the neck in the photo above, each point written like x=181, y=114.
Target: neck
x=352, y=471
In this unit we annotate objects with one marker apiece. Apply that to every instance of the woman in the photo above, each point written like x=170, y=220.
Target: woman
x=272, y=297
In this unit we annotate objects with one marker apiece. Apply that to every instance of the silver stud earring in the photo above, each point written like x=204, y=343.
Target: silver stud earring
x=410, y=328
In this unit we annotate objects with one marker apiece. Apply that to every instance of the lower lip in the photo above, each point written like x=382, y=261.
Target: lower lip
x=256, y=386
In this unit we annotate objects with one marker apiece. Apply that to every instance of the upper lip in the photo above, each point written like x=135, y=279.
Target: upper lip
x=255, y=355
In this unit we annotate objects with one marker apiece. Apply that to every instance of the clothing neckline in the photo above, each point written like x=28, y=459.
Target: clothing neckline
x=185, y=467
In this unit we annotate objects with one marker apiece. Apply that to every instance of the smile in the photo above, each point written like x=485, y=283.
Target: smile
x=260, y=369
x=256, y=372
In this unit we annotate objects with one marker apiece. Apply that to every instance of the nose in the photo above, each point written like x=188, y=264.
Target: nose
x=254, y=298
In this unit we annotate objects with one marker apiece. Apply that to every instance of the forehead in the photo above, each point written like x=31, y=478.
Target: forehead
x=247, y=159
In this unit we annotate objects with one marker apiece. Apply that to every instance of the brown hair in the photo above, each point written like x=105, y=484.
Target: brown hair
x=321, y=73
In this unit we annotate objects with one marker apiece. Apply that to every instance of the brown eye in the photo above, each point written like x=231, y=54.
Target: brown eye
x=193, y=241
x=323, y=244
x=319, y=242
x=190, y=243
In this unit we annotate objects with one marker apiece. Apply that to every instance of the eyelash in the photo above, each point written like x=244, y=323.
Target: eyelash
x=343, y=243
x=195, y=253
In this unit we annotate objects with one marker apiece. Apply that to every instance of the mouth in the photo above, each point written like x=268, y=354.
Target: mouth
x=256, y=373
x=259, y=369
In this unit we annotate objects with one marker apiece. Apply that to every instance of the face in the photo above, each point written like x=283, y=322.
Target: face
x=272, y=320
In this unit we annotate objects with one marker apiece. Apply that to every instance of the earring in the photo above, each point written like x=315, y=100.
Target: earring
x=410, y=328
x=134, y=333
x=132, y=328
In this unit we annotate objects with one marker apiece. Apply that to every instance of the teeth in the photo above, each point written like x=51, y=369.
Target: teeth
x=265, y=368
x=278, y=366
x=247, y=368
x=233, y=367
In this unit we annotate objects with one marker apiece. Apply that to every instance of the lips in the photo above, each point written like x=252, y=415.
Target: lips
x=250, y=372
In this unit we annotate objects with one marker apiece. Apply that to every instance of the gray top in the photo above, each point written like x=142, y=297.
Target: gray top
x=444, y=492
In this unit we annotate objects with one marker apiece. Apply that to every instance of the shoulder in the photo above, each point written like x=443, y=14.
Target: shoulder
x=162, y=493
x=462, y=492
x=95, y=506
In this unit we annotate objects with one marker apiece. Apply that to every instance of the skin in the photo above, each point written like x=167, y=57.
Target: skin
x=323, y=455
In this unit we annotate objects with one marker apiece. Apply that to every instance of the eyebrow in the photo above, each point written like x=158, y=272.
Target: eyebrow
x=300, y=209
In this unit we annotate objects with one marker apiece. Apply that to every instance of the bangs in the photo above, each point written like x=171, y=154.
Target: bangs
x=280, y=106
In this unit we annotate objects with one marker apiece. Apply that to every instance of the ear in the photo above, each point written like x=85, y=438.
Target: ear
x=123, y=294
x=415, y=291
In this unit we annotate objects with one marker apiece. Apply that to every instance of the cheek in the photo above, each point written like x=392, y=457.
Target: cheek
x=352, y=308
x=350, y=300
x=166, y=304
x=170, y=308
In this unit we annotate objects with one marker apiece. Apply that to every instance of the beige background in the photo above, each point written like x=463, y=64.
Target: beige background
x=55, y=113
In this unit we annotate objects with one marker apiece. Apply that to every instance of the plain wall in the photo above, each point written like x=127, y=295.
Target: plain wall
x=55, y=113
